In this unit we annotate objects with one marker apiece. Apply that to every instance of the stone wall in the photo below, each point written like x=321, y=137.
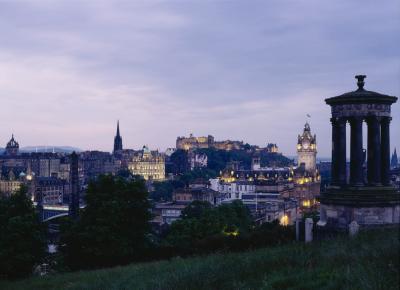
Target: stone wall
x=341, y=216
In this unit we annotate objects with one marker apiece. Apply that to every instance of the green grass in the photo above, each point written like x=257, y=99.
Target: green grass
x=369, y=261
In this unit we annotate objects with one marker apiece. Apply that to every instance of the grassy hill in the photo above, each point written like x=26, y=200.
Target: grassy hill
x=369, y=261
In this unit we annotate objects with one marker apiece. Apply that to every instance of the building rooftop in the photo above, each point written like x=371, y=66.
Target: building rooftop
x=361, y=95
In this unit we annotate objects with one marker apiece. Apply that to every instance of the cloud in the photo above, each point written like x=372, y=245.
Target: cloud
x=237, y=70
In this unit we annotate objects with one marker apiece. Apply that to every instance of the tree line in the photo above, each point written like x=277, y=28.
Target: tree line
x=115, y=229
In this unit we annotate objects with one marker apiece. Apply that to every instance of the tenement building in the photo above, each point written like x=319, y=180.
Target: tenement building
x=148, y=164
x=368, y=200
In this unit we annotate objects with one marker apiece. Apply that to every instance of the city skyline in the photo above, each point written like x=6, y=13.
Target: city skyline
x=232, y=70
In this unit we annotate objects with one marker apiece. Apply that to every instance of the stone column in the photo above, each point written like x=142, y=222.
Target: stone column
x=385, y=150
x=374, y=151
x=356, y=152
x=341, y=164
x=308, y=232
x=335, y=151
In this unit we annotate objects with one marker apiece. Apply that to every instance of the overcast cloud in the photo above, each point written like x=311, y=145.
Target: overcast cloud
x=239, y=70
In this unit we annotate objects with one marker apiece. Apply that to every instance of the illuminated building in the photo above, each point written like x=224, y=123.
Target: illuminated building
x=11, y=180
x=307, y=150
x=191, y=142
x=272, y=148
x=148, y=164
x=306, y=176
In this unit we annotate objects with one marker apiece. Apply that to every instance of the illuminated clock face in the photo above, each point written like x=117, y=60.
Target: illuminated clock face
x=306, y=145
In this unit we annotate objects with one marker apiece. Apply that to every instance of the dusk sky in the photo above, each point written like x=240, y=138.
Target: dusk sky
x=239, y=70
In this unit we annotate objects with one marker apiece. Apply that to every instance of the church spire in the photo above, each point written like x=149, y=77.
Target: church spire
x=394, y=162
x=117, y=140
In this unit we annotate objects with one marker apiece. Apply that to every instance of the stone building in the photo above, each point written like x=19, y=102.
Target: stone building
x=11, y=180
x=94, y=163
x=52, y=190
x=148, y=164
x=307, y=149
x=369, y=200
x=272, y=148
x=306, y=176
x=12, y=147
x=197, y=160
x=191, y=143
x=228, y=145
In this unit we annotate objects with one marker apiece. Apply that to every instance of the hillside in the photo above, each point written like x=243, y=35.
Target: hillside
x=56, y=149
x=370, y=261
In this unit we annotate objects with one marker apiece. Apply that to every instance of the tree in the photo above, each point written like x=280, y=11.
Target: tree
x=179, y=161
x=196, y=209
x=236, y=217
x=113, y=228
x=163, y=189
x=22, y=236
x=201, y=221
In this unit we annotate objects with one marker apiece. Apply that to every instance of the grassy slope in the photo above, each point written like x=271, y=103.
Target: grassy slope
x=370, y=261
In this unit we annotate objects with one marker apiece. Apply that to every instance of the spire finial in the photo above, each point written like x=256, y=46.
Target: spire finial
x=118, y=128
x=360, y=81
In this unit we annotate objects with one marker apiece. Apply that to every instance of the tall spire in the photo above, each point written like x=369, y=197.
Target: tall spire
x=117, y=140
x=394, y=162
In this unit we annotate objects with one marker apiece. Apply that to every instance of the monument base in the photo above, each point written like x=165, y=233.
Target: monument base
x=368, y=206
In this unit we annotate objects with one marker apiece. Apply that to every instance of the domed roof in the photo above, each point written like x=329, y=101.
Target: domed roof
x=361, y=96
x=146, y=149
x=12, y=143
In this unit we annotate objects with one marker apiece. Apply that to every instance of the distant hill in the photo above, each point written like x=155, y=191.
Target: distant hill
x=56, y=149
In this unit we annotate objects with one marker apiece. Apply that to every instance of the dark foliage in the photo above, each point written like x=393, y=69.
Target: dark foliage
x=113, y=228
x=22, y=236
x=218, y=159
x=200, y=221
x=229, y=227
x=179, y=162
x=163, y=189
x=196, y=209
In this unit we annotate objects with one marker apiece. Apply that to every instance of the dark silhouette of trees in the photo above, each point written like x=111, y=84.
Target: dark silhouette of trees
x=114, y=227
x=201, y=221
x=22, y=236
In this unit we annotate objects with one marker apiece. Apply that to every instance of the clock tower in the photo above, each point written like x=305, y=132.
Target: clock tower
x=307, y=150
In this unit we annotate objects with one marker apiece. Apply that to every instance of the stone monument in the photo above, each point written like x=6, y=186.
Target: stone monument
x=368, y=200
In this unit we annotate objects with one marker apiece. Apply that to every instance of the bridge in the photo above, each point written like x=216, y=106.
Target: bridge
x=51, y=212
